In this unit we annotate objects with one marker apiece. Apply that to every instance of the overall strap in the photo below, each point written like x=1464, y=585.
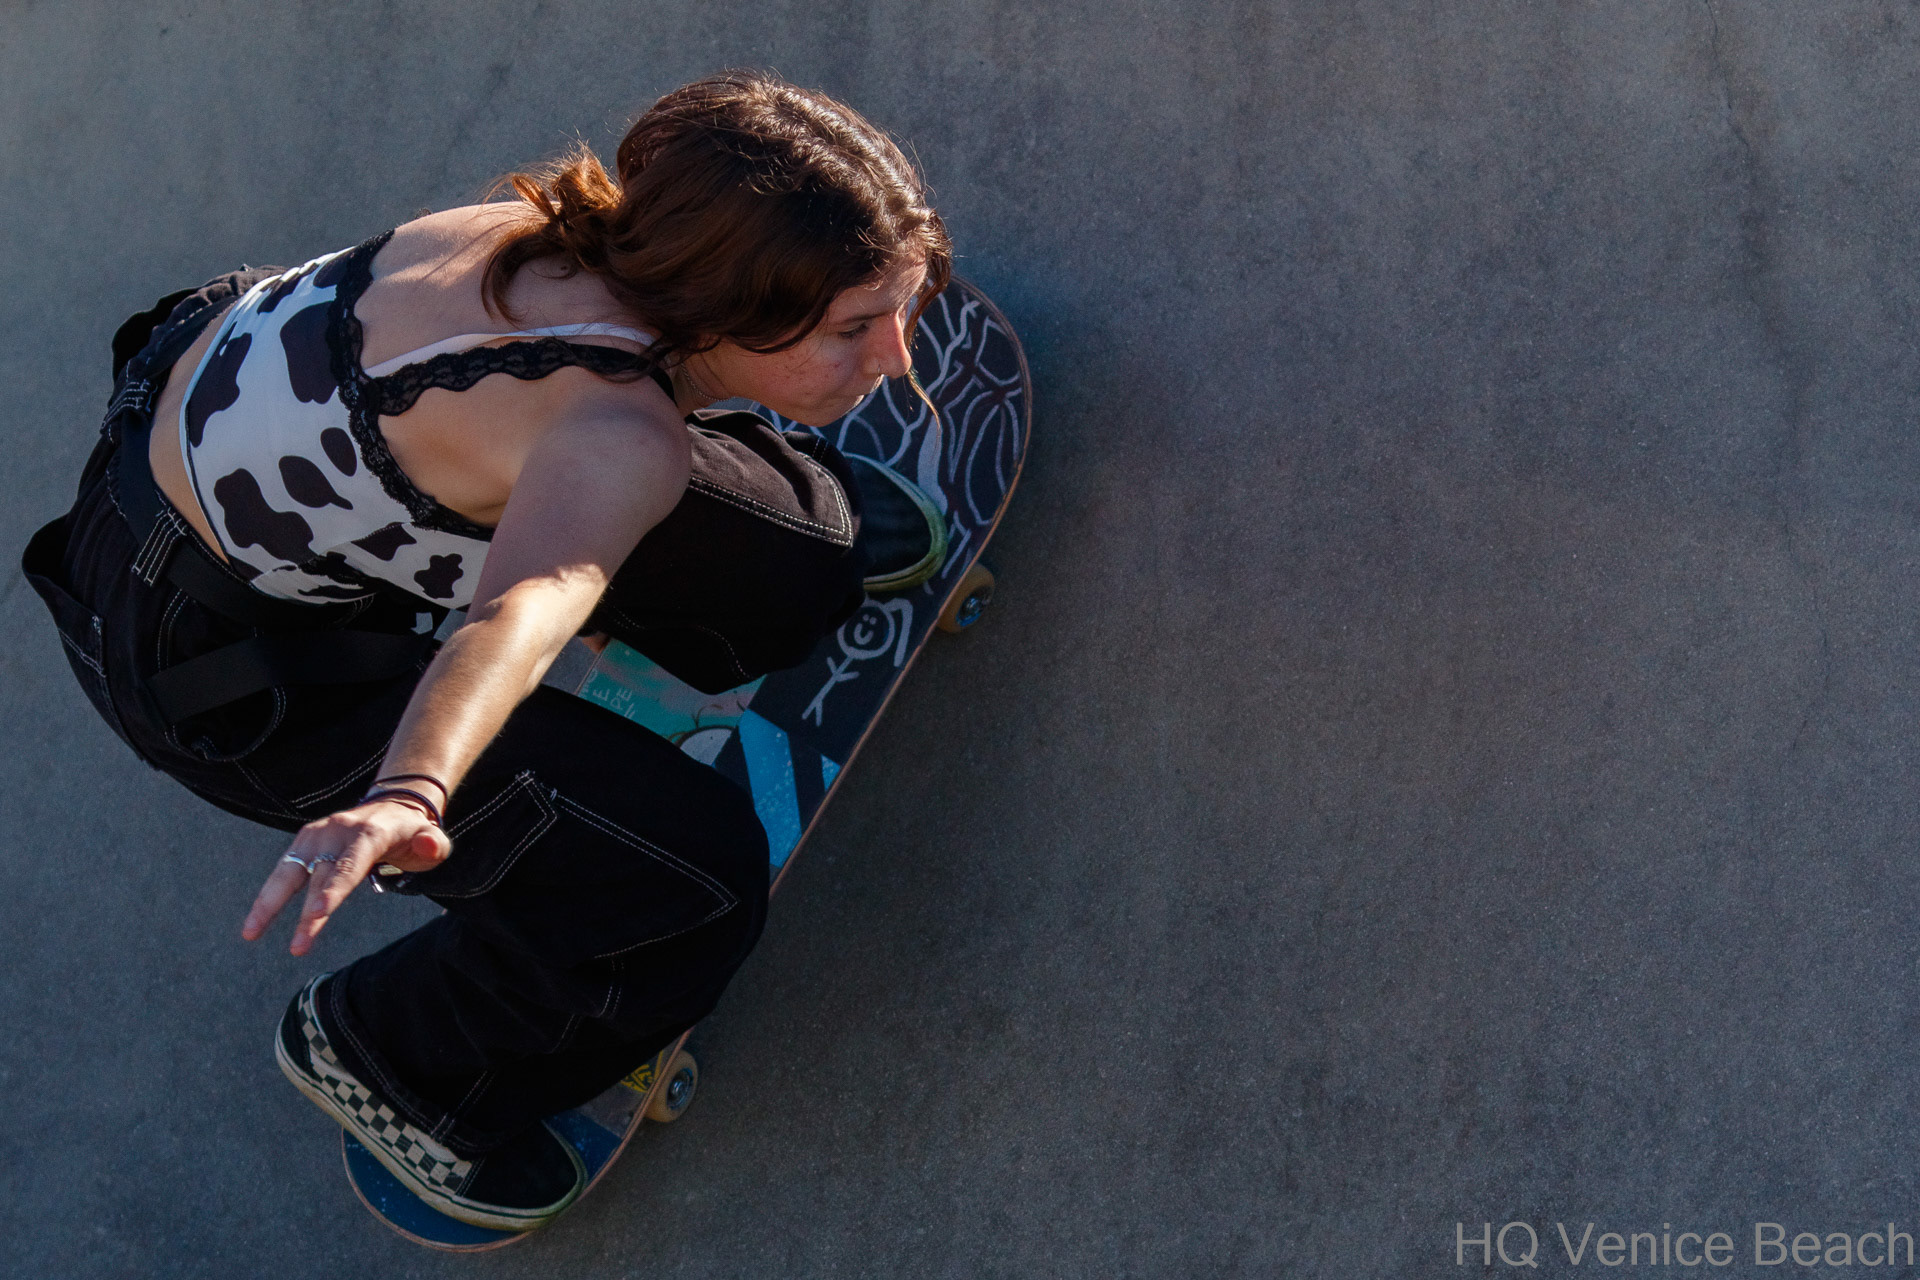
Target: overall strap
x=293, y=642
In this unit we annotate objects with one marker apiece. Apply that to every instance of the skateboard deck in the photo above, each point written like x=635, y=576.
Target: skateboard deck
x=789, y=736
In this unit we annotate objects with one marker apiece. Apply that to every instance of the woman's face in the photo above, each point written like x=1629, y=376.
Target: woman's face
x=861, y=342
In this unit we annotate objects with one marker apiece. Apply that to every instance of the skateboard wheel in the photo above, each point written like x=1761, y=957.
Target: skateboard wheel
x=677, y=1085
x=968, y=601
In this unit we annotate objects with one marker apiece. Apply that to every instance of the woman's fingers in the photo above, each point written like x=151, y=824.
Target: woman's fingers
x=427, y=849
x=342, y=850
x=282, y=883
x=328, y=887
x=330, y=884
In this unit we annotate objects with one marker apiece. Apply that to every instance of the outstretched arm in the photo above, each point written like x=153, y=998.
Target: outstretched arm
x=584, y=497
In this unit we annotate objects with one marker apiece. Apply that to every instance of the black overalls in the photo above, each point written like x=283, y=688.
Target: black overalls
x=603, y=887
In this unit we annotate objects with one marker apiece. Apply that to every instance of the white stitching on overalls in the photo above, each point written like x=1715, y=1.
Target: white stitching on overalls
x=164, y=632
x=472, y=1095
x=524, y=781
x=754, y=505
x=607, y=825
x=153, y=552
x=83, y=655
x=388, y=1085
x=733, y=655
x=345, y=781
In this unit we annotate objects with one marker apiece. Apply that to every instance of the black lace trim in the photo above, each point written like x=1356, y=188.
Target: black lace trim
x=344, y=340
x=528, y=361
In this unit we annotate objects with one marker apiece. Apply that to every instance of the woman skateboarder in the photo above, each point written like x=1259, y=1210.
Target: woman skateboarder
x=304, y=473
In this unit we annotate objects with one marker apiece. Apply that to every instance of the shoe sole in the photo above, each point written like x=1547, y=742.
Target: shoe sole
x=923, y=569
x=438, y=1200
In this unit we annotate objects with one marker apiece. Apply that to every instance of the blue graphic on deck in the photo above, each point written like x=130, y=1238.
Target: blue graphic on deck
x=594, y=1142
x=387, y=1196
x=770, y=774
x=828, y=771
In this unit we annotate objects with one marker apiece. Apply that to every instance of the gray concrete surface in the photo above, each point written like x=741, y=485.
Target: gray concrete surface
x=1444, y=750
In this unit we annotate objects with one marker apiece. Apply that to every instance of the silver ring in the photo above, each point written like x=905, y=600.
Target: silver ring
x=294, y=858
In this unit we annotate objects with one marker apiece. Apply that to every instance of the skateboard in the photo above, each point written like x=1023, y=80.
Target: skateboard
x=789, y=736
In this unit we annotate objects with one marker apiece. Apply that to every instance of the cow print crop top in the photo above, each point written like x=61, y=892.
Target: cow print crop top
x=280, y=429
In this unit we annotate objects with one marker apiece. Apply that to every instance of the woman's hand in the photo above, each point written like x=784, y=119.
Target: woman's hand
x=581, y=501
x=343, y=850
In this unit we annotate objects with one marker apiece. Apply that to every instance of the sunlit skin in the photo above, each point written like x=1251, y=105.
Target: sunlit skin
x=861, y=343
x=582, y=494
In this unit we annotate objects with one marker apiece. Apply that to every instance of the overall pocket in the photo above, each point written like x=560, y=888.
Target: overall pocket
x=232, y=731
x=80, y=628
x=563, y=881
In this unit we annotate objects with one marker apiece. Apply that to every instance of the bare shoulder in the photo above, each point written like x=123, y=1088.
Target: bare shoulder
x=628, y=421
x=590, y=488
x=427, y=284
x=429, y=244
x=622, y=438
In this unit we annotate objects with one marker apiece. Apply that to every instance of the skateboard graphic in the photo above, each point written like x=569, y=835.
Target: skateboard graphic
x=789, y=736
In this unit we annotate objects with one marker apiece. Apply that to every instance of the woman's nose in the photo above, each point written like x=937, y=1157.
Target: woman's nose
x=891, y=359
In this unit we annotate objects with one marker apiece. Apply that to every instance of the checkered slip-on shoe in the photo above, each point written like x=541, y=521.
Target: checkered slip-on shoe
x=516, y=1187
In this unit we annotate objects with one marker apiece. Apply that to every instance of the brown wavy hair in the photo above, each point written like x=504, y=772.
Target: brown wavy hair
x=744, y=205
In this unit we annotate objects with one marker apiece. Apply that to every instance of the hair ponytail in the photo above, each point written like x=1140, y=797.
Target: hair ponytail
x=568, y=199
